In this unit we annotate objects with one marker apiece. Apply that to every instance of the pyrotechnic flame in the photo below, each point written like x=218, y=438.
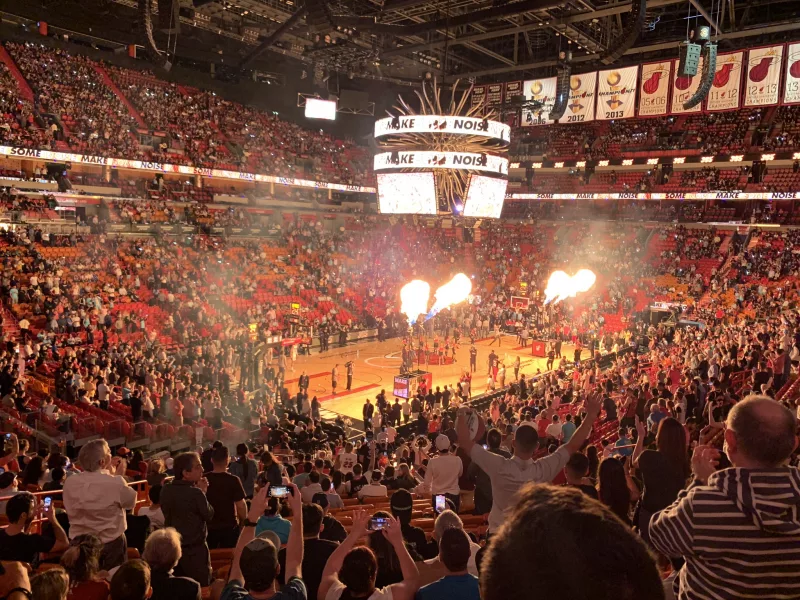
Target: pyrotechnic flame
x=561, y=286
x=414, y=299
x=451, y=293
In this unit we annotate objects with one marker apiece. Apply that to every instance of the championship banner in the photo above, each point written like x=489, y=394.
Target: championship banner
x=582, y=89
x=725, y=91
x=616, y=95
x=513, y=88
x=520, y=302
x=684, y=87
x=430, y=159
x=654, y=89
x=791, y=87
x=762, y=86
x=539, y=90
x=478, y=95
x=494, y=94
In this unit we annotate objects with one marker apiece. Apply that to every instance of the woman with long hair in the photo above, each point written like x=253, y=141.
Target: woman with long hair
x=245, y=468
x=665, y=470
x=82, y=563
x=389, y=568
x=270, y=470
x=615, y=488
x=34, y=475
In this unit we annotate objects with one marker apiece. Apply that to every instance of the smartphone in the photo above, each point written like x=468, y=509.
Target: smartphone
x=378, y=523
x=440, y=503
x=486, y=446
x=47, y=502
x=278, y=491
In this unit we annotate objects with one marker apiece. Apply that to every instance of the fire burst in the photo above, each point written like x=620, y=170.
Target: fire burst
x=415, y=294
x=561, y=286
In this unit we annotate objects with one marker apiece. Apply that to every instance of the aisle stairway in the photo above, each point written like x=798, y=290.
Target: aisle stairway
x=114, y=88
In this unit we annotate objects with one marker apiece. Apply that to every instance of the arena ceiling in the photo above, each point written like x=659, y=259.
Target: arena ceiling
x=403, y=40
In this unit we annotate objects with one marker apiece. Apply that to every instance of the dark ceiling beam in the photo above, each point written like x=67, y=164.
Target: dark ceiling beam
x=497, y=33
x=371, y=25
x=273, y=37
x=777, y=28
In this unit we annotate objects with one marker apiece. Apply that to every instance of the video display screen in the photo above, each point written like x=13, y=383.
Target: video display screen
x=485, y=197
x=320, y=109
x=407, y=194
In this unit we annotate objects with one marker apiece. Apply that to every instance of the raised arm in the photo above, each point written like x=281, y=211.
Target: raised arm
x=361, y=520
x=641, y=432
x=406, y=589
x=294, y=547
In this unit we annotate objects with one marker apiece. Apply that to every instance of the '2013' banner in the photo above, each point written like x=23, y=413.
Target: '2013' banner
x=616, y=93
x=763, y=78
x=791, y=87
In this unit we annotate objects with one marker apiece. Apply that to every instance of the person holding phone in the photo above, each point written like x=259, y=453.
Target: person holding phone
x=255, y=566
x=16, y=540
x=351, y=571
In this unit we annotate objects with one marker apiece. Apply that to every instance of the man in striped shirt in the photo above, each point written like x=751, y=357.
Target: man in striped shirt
x=739, y=529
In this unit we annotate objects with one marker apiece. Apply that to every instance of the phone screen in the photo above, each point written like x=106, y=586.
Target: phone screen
x=378, y=523
x=441, y=503
x=278, y=491
x=47, y=502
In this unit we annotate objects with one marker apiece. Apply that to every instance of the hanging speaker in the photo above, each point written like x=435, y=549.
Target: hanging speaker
x=617, y=47
x=562, y=92
x=709, y=70
x=168, y=20
x=688, y=59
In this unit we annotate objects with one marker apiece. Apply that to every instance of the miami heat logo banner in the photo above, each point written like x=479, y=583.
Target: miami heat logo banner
x=654, y=89
x=791, y=90
x=581, y=98
x=684, y=87
x=725, y=91
x=539, y=90
x=763, y=79
x=616, y=95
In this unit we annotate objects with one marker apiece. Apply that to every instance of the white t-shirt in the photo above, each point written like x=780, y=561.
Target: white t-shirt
x=442, y=474
x=554, y=430
x=156, y=516
x=336, y=590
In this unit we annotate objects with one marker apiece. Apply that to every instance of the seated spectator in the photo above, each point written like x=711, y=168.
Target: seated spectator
x=16, y=541
x=52, y=584
x=577, y=471
x=312, y=487
x=255, y=566
x=56, y=484
x=82, y=563
x=162, y=552
x=605, y=561
x=316, y=551
x=744, y=517
x=96, y=501
x=332, y=529
x=153, y=512
x=131, y=581
x=351, y=572
x=402, y=505
x=375, y=489
x=454, y=553
x=271, y=520
x=334, y=500
x=449, y=520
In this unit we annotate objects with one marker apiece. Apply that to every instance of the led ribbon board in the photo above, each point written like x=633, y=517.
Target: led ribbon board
x=428, y=159
x=443, y=124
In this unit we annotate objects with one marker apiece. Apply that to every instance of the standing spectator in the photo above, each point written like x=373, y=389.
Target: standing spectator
x=508, y=474
x=226, y=496
x=16, y=540
x=96, y=501
x=443, y=472
x=246, y=469
x=270, y=470
x=82, y=563
x=162, y=552
x=351, y=572
x=187, y=509
x=483, y=484
x=739, y=521
x=315, y=550
x=255, y=566
x=664, y=471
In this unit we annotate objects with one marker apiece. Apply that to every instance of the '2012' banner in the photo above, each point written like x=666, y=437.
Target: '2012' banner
x=726, y=90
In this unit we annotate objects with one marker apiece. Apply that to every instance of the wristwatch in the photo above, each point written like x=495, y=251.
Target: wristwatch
x=248, y=523
x=14, y=594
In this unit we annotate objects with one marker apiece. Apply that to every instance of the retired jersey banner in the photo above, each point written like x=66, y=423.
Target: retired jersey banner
x=494, y=94
x=539, y=90
x=478, y=95
x=791, y=87
x=725, y=90
x=762, y=85
x=513, y=88
x=684, y=87
x=616, y=94
x=654, y=89
x=582, y=91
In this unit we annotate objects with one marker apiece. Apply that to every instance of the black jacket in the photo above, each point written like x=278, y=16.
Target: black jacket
x=186, y=508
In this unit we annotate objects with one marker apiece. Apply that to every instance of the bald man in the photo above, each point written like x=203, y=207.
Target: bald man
x=739, y=528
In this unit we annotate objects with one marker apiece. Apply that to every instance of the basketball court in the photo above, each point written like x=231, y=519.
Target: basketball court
x=376, y=364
